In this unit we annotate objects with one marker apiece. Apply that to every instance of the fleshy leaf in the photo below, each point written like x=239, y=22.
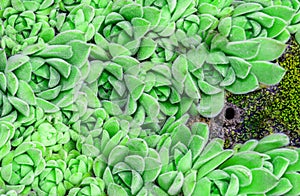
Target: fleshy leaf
x=267, y=73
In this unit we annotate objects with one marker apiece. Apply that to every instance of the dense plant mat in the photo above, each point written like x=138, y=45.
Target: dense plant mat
x=95, y=96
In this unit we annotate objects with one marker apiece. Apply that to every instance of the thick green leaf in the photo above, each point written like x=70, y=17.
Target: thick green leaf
x=153, y=15
x=136, y=162
x=165, y=180
x=283, y=186
x=20, y=105
x=118, y=50
x=270, y=49
x=257, y=187
x=241, y=172
x=214, y=163
x=14, y=62
x=67, y=36
x=211, y=105
x=3, y=60
x=116, y=190
x=294, y=179
x=56, y=51
x=245, y=8
x=177, y=184
x=63, y=67
x=131, y=11
x=140, y=27
x=81, y=51
x=248, y=159
x=117, y=155
x=203, y=187
x=208, y=88
x=290, y=154
x=280, y=165
x=189, y=183
x=240, y=67
x=48, y=107
x=190, y=87
x=150, y=104
x=136, y=183
x=25, y=93
x=243, y=49
x=233, y=187
x=12, y=83
x=284, y=12
x=111, y=108
x=185, y=163
x=180, y=68
x=242, y=86
x=146, y=49
x=224, y=26
x=3, y=82
x=264, y=19
x=217, y=58
x=267, y=73
x=152, y=169
x=271, y=142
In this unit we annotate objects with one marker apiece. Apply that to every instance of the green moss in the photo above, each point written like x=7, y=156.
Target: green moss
x=273, y=109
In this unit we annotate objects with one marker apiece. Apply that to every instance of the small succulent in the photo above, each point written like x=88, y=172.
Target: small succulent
x=94, y=96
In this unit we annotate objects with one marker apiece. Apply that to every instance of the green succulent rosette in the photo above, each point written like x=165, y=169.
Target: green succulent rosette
x=44, y=75
x=79, y=168
x=193, y=165
x=25, y=23
x=89, y=186
x=20, y=167
x=50, y=180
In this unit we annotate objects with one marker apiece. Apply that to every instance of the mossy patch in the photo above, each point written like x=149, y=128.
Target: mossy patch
x=273, y=109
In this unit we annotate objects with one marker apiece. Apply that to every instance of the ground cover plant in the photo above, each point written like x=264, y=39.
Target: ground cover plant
x=95, y=96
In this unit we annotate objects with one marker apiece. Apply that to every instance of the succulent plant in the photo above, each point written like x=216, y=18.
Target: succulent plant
x=95, y=96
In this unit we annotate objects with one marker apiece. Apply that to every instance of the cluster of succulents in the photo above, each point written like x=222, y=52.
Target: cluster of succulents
x=95, y=96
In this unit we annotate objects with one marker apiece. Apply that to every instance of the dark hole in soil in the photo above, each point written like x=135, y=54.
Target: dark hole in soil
x=229, y=113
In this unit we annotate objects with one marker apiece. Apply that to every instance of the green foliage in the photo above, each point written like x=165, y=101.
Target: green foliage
x=94, y=96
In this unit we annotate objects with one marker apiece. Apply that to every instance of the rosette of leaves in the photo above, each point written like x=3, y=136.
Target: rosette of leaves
x=96, y=129
x=46, y=75
x=20, y=167
x=128, y=166
x=23, y=23
x=267, y=160
x=47, y=129
x=81, y=17
x=89, y=186
x=78, y=168
x=274, y=19
x=50, y=180
x=193, y=166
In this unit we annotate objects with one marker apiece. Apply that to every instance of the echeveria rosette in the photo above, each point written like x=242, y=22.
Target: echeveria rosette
x=89, y=186
x=79, y=167
x=20, y=167
x=46, y=75
x=128, y=166
x=50, y=180
x=82, y=18
x=194, y=166
x=26, y=23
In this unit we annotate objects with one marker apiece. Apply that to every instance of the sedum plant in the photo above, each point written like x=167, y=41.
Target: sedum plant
x=94, y=96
